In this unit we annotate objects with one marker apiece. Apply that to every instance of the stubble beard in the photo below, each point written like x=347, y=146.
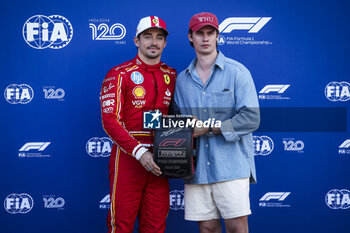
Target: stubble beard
x=151, y=56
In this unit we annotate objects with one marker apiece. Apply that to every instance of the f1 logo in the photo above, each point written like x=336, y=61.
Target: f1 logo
x=172, y=142
x=253, y=24
x=345, y=144
x=274, y=88
x=106, y=199
x=280, y=196
x=40, y=146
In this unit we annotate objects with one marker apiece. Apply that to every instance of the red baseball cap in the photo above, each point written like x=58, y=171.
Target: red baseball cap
x=151, y=22
x=203, y=19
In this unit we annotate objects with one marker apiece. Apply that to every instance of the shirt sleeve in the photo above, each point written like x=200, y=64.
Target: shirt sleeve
x=247, y=117
x=112, y=102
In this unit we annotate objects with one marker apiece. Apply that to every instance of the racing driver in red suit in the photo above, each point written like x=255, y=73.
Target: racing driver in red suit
x=128, y=90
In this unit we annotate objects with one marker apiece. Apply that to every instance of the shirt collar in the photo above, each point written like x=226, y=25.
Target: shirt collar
x=219, y=62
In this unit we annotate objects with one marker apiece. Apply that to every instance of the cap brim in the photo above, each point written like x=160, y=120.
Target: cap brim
x=199, y=26
x=164, y=30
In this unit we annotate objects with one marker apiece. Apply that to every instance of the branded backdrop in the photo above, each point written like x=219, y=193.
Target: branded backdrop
x=54, y=55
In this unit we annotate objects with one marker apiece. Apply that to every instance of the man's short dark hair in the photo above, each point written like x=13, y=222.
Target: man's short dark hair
x=191, y=32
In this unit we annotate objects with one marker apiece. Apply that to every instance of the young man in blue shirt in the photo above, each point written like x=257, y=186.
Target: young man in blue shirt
x=214, y=86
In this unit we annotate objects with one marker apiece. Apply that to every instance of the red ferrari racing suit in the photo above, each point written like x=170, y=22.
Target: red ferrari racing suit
x=127, y=91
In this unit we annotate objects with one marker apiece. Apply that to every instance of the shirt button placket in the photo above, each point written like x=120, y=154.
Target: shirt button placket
x=207, y=146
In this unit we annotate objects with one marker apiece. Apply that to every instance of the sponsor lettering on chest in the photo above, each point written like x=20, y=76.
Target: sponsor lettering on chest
x=138, y=103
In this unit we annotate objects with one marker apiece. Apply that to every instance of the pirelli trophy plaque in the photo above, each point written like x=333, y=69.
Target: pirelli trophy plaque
x=173, y=147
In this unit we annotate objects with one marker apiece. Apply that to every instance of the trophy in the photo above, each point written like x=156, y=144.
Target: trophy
x=173, y=147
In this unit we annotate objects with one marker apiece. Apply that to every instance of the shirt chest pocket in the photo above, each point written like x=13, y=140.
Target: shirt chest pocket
x=222, y=99
x=221, y=104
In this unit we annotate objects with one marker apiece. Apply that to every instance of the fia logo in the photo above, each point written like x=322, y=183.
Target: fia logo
x=18, y=94
x=99, y=147
x=18, y=203
x=263, y=145
x=53, y=94
x=337, y=91
x=338, y=199
x=41, y=32
x=177, y=200
x=104, y=32
x=151, y=119
x=253, y=24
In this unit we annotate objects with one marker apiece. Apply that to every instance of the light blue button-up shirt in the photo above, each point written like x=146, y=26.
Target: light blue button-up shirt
x=229, y=95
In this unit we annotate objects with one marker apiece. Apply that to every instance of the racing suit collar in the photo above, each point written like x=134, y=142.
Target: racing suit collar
x=148, y=68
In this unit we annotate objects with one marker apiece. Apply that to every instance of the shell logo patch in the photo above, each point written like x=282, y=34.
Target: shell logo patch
x=166, y=79
x=139, y=92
